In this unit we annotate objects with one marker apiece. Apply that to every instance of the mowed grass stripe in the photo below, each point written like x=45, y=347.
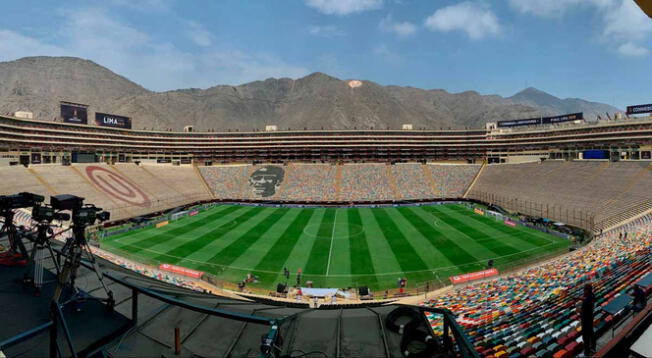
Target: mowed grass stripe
x=276, y=257
x=360, y=258
x=405, y=254
x=533, y=236
x=430, y=255
x=319, y=253
x=449, y=248
x=340, y=260
x=482, y=238
x=237, y=248
x=516, y=239
x=141, y=244
x=152, y=230
x=192, y=245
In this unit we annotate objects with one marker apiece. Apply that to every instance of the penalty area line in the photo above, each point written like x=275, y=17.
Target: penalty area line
x=330, y=251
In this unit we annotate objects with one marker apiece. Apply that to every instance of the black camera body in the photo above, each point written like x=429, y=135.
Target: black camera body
x=20, y=200
x=82, y=215
x=46, y=213
x=66, y=202
x=87, y=215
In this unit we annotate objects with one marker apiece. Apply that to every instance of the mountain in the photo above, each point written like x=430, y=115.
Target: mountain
x=37, y=84
x=316, y=101
x=549, y=103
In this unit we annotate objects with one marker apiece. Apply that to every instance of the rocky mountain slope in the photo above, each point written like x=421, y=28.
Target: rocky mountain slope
x=37, y=84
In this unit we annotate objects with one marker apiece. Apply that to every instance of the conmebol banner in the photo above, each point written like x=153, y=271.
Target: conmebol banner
x=74, y=113
x=520, y=122
x=473, y=276
x=641, y=108
x=181, y=270
x=112, y=120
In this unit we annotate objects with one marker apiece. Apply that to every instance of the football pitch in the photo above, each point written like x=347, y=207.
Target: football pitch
x=337, y=247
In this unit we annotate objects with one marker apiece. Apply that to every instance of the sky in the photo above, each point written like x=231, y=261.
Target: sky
x=599, y=50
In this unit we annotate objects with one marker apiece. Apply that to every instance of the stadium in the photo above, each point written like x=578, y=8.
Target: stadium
x=261, y=214
x=319, y=217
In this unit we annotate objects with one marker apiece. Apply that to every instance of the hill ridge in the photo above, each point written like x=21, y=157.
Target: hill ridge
x=315, y=101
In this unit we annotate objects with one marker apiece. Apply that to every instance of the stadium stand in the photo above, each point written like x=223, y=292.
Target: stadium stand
x=411, y=181
x=365, y=182
x=73, y=179
x=182, y=181
x=532, y=312
x=161, y=197
x=226, y=181
x=125, y=190
x=566, y=190
x=311, y=182
x=357, y=182
x=16, y=179
x=451, y=181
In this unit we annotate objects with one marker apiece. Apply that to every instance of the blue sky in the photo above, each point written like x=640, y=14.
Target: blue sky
x=599, y=50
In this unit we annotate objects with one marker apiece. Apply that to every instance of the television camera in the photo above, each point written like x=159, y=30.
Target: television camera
x=43, y=215
x=83, y=215
x=17, y=254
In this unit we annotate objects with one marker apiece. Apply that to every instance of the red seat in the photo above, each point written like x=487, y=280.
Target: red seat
x=573, y=347
x=562, y=354
x=526, y=352
x=562, y=341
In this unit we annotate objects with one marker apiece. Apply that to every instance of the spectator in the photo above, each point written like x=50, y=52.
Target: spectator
x=639, y=298
x=586, y=314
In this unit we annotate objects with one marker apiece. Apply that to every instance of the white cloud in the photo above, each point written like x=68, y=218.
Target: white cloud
x=623, y=25
x=402, y=29
x=199, y=35
x=328, y=31
x=142, y=5
x=632, y=49
x=554, y=8
x=344, y=7
x=626, y=21
x=14, y=45
x=96, y=35
x=387, y=54
x=476, y=20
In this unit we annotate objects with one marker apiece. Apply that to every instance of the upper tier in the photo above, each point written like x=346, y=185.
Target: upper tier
x=22, y=134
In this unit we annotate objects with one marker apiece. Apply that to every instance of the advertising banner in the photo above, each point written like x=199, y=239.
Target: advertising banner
x=36, y=158
x=181, y=270
x=471, y=276
x=519, y=122
x=562, y=118
x=641, y=108
x=112, y=120
x=510, y=223
x=478, y=211
x=74, y=113
x=161, y=224
x=541, y=120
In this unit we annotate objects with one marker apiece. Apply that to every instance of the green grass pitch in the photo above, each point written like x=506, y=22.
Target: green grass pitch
x=337, y=247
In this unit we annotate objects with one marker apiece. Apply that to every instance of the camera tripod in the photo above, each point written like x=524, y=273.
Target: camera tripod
x=17, y=254
x=34, y=274
x=76, y=247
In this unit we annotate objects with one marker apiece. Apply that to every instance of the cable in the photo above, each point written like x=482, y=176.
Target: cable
x=304, y=354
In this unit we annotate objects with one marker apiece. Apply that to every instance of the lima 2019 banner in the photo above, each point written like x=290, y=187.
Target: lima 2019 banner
x=112, y=120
